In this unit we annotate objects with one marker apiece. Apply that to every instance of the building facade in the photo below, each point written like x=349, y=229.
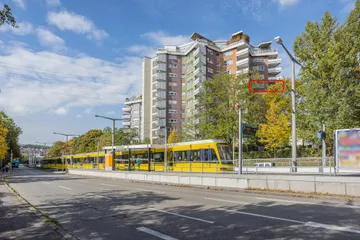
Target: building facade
x=173, y=78
x=132, y=112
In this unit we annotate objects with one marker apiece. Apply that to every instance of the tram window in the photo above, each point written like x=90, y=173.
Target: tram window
x=101, y=159
x=126, y=156
x=206, y=155
x=212, y=154
x=195, y=155
x=158, y=157
x=180, y=156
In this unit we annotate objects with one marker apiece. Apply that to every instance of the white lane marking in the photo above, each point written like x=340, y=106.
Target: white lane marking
x=331, y=227
x=180, y=215
x=308, y=224
x=64, y=187
x=260, y=215
x=228, y=201
x=311, y=203
x=105, y=184
x=45, y=182
x=155, y=233
x=148, y=190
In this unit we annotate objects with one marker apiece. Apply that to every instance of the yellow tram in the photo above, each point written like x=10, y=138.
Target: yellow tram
x=196, y=156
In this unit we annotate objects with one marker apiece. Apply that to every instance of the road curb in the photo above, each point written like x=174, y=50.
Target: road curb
x=46, y=218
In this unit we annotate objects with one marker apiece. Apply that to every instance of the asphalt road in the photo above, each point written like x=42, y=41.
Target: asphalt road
x=99, y=208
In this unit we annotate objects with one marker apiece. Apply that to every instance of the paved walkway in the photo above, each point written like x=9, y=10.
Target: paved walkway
x=18, y=221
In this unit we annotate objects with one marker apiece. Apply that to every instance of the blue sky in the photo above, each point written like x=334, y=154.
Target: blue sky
x=72, y=59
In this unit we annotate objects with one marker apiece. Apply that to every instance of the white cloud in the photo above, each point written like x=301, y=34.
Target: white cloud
x=157, y=39
x=285, y=3
x=20, y=3
x=88, y=110
x=162, y=38
x=53, y=3
x=62, y=111
x=78, y=116
x=23, y=29
x=143, y=50
x=348, y=6
x=43, y=81
x=48, y=39
x=79, y=24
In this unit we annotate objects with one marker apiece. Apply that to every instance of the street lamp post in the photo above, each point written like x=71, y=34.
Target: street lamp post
x=67, y=138
x=278, y=40
x=112, y=137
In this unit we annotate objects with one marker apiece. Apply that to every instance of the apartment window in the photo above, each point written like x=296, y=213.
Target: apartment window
x=172, y=75
x=172, y=93
x=227, y=63
x=210, y=70
x=173, y=57
x=172, y=111
x=229, y=71
x=172, y=121
x=172, y=102
x=228, y=53
x=172, y=84
x=218, y=54
x=172, y=65
x=262, y=76
x=209, y=60
x=210, y=51
x=218, y=64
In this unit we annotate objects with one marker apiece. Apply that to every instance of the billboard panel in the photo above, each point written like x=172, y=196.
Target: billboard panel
x=347, y=143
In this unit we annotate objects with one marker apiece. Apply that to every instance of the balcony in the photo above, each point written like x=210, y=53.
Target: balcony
x=274, y=62
x=242, y=71
x=196, y=62
x=160, y=86
x=161, y=114
x=127, y=124
x=263, y=51
x=160, y=77
x=126, y=116
x=160, y=95
x=243, y=62
x=276, y=78
x=161, y=104
x=126, y=109
x=200, y=71
x=197, y=81
x=160, y=132
x=242, y=53
x=275, y=71
x=196, y=102
x=197, y=51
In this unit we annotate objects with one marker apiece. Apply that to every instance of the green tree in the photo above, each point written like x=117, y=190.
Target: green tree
x=86, y=142
x=12, y=136
x=329, y=81
x=7, y=17
x=57, y=149
x=3, y=143
x=219, y=106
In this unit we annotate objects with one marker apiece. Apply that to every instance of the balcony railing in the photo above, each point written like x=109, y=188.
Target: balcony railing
x=243, y=52
x=274, y=70
x=274, y=62
x=126, y=123
x=242, y=71
x=126, y=109
x=242, y=62
x=126, y=116
x=276, y=78
x=161, y=104
x=197, y=51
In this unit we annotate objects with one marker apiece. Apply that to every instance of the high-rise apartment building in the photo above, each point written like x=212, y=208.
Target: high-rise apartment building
x=132, y=115
x=172, y=79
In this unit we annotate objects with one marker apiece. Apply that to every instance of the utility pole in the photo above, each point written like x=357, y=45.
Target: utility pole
x=165, y=154
x=113, y=137
x=240, y=142
x=323, y=146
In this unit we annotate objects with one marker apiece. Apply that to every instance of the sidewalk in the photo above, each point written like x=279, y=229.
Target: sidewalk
x=18, y=221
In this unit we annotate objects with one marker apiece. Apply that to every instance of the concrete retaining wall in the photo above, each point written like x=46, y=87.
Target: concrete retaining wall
x=321, y=184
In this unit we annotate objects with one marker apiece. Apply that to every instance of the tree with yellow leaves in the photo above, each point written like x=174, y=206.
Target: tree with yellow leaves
x=3, y=143
x=275, y=132
x=173, y=137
